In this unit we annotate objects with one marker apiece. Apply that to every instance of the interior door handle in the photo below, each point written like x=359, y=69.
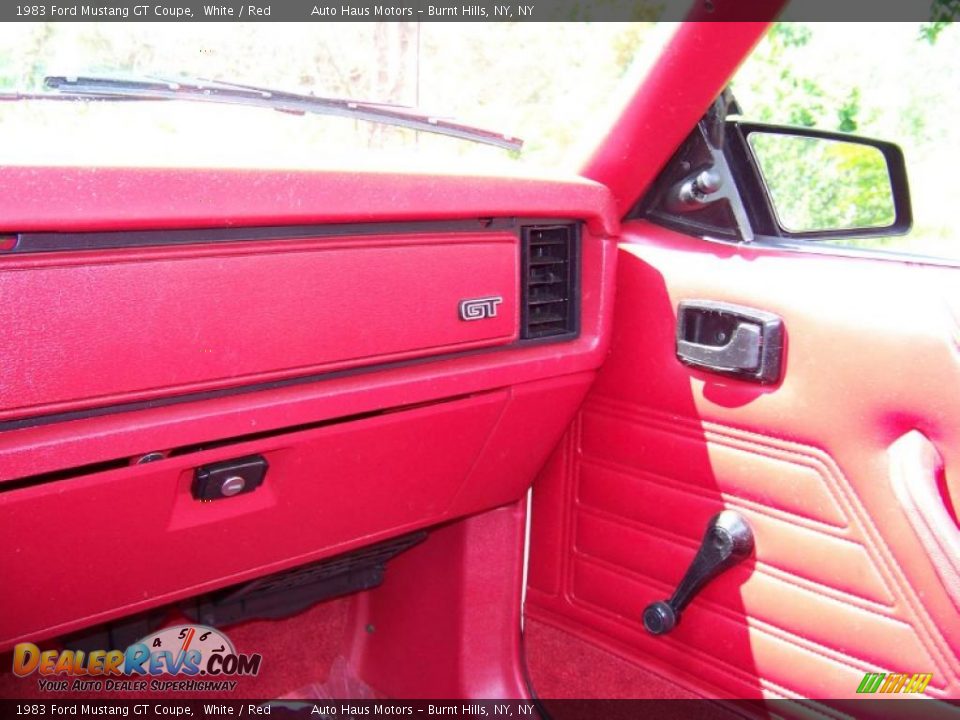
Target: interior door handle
x=741, y=352
x=730, y=339
x=915, y=468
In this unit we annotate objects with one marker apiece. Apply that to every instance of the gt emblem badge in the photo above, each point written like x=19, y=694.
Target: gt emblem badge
x=480, y=308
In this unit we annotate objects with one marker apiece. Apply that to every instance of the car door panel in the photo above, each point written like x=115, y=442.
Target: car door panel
x=841, y=584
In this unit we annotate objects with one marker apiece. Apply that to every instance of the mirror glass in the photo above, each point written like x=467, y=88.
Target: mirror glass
x=816, y=184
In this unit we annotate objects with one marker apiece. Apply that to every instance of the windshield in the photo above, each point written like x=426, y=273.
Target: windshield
x=547, y=83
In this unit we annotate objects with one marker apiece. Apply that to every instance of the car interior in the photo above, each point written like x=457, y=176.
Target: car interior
x=415, y=435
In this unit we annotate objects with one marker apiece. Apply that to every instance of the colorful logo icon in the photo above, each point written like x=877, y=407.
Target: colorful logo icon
x=894, y=683
x=189, y=650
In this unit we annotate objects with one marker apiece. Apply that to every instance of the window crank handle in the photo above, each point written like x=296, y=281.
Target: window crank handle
x=727, y=541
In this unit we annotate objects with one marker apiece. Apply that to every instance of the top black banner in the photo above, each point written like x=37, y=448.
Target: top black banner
x=504, y=11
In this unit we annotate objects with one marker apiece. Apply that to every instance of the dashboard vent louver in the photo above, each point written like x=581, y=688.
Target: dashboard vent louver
x=549, y=281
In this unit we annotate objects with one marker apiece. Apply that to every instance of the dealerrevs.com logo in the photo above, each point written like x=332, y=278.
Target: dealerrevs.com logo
x=204, y=655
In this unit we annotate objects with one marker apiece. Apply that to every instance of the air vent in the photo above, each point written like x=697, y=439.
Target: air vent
x=549, y=281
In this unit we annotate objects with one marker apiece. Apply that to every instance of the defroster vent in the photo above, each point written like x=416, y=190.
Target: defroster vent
x=550, y=281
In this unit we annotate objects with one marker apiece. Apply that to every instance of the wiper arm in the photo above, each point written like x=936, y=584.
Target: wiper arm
x=95, y=87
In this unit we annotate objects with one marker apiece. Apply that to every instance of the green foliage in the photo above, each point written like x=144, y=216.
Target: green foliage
x=821, y=184
x=943, y=12
x=790, y=34
x=795, y=95
x=931, y=31
x=891, y=81
x=23, y=69
x=847, y=112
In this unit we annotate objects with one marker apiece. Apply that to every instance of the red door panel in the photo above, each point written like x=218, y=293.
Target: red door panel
x=842, y=582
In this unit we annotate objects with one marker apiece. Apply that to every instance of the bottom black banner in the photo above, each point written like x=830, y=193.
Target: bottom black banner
x=473, y=710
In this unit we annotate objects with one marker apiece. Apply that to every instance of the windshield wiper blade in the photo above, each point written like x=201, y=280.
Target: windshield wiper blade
x=96, y=87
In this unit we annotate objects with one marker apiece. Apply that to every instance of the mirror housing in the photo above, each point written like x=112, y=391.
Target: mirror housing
x=866, y=177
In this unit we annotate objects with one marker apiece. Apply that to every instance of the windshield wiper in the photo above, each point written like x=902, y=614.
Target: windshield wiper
x=94, y=87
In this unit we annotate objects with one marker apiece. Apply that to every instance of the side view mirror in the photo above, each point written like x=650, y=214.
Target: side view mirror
x=811, y=184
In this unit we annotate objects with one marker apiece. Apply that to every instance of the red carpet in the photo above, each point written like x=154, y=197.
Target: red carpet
x=562, y=666
x=299, y=652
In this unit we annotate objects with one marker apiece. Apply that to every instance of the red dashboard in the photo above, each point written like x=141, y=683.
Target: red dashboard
x=312, y=319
